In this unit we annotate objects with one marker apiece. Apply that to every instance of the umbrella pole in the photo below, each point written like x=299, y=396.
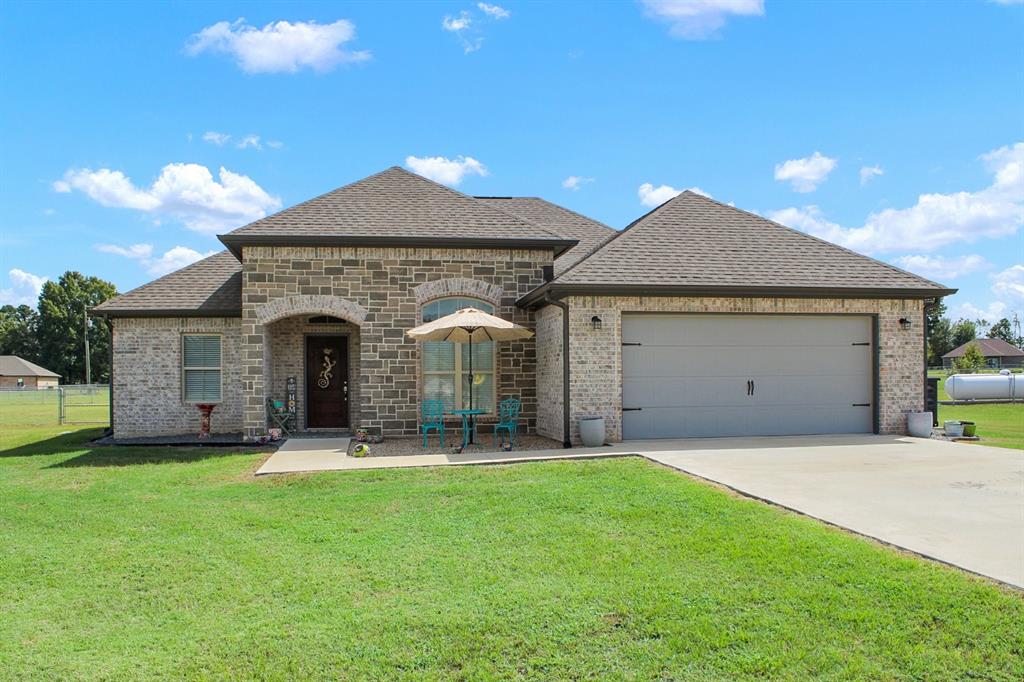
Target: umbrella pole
x=472, y=417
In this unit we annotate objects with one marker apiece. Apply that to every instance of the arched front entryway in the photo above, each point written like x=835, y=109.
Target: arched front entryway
x=308, y=351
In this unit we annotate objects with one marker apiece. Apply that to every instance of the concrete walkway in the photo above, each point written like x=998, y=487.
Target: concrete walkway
x=307, y=454
x=960, y=504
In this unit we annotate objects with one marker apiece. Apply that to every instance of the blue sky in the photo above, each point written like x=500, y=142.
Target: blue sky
x=132, y=134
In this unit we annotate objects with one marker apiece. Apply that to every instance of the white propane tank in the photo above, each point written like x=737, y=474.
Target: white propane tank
x=985, y=386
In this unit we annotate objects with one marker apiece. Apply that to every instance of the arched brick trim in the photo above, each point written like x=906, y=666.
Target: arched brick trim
x=311, y=305
x=459, y=286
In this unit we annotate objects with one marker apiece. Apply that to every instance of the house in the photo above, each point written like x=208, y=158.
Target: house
x=18, y=373
x=998, y=354
x=698, y=319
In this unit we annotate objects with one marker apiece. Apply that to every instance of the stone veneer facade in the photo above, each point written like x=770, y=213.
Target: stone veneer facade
x=147, y=381
x=596, y=355
x=381, y=291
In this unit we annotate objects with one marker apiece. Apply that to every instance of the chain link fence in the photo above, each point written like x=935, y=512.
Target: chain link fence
x=71, y=404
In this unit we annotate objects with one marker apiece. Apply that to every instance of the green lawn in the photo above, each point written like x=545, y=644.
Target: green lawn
x=999, y=425
x=177, y=563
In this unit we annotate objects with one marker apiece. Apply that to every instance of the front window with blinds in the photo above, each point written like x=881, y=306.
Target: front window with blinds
x=201, y=364
x=446, y=374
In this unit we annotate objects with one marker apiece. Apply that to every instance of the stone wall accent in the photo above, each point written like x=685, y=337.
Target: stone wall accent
x=288, y=350
x=549, y=372
x=148, y=398
x=458, y=286
x=310, y=304
x=596, y=355
x=383, y=281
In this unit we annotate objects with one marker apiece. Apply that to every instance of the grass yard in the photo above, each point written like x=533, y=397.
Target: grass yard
x=1000, y=425
x=177, y=563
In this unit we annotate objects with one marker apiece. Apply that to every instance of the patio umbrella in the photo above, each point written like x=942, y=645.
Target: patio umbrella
x=466, y=326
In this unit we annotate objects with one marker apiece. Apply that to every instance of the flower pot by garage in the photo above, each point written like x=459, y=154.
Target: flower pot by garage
x=954, y=429
x=592, y=431
x=969, y=429
x=919, y=424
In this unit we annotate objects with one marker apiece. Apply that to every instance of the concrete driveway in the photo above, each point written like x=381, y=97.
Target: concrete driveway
x=961, y=504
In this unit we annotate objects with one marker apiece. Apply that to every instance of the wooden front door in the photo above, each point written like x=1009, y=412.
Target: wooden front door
x=326, y=382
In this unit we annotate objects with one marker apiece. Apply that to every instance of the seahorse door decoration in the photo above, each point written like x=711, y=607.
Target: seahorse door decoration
x=324, y=380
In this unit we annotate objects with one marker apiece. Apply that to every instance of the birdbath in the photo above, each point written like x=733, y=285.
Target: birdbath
x=205, y=409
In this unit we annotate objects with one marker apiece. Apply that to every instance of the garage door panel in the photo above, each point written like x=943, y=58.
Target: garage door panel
x=684, y=392
x=689, y=374
x=653, y=361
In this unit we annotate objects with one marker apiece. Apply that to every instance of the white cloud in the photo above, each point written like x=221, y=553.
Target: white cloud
x=992, y=313
x=868, y=173
x=656, y=196
x=24, y=289
x=1009, y=284
x=460, y=26
x=494, y=11
x=280, y=47
x=699, y=19
x=250, y=141
x=186, y=191
x=807, y=173
x=172, y=259
x=275, y=144
x=456, y=24
x=942, y=268
x=936, y=220
x=216, y=138
x=444, y=170
x=574, y=182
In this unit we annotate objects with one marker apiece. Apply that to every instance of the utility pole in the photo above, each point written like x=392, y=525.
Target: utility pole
x=85, y=333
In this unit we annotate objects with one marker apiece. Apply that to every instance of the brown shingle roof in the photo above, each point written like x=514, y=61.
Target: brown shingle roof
x=559, y=220
x=990, y=348
x=13, y=366
x=695, y=242
x=210, y=287
x=395, y=205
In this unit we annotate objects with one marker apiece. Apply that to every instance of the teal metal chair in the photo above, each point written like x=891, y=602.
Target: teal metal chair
x=508, y=420
x=432, y=412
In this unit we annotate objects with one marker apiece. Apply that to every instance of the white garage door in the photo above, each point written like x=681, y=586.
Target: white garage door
x=745, y=375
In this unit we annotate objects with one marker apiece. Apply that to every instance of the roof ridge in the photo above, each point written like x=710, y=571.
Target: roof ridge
x=317, y=197
x=817, y=239
x=618, y=233
x=475, y=200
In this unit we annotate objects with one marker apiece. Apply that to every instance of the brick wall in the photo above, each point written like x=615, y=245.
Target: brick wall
x=549, y=372
x=148, y=397
x=384, y=287
x=596, y=356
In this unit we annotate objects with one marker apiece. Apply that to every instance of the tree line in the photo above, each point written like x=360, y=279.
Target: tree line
x=944, y=335
x=53, y=333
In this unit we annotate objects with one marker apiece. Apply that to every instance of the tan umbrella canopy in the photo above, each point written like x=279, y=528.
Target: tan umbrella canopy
x=469, y=325
x=466, y=326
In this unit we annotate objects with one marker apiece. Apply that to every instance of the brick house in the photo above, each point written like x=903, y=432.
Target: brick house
x=697, y=319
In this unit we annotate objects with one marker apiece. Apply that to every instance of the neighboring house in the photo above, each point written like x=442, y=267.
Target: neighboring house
x=998, y=354
x=699, y=319
x=18, y=373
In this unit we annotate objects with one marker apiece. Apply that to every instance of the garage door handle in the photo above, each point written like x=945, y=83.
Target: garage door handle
x=861, y=405
x=631, y=409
